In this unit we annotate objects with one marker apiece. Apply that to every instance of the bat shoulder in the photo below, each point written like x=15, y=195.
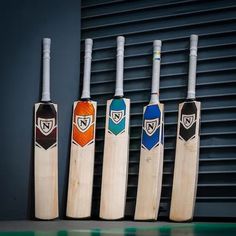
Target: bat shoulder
x=154, y=107
x=126, y=100
x=189, y=104
x=94, y=103
x=45, y=106
x=118, y=102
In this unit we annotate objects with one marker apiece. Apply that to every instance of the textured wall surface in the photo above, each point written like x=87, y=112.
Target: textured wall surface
x=23, y=25
x=173, y=22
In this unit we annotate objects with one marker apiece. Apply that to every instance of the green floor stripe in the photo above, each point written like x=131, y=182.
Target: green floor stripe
x=189, y=229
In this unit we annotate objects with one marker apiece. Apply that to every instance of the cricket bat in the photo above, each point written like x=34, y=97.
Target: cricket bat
x=79, y=199
x=116, y=147
x=45, y=147
x=152, y=148
x=187, y=148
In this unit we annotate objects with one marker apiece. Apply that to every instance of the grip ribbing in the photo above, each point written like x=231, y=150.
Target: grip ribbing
x=120, y=66
x=87, y=68
x=46, y=70
x=192, y=67
x=156, y=71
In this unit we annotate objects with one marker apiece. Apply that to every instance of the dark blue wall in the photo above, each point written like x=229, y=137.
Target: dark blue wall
x=23, y=24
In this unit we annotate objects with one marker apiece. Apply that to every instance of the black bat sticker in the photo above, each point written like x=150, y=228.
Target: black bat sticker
x=46, y=126
x=188, y=116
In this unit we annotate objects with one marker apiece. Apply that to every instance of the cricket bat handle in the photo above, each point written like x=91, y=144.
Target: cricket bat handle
x=46, y=70
x=87, y=68
x=192, y=67
x=156, y=71
x=120, y=66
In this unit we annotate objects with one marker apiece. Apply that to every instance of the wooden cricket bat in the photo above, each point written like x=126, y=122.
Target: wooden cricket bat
x=152, y=148
x=116, y=147
x=79, y=200
x=187, y=148
x=45, y=148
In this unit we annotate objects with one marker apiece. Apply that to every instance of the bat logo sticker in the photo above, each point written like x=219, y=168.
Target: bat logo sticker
x=117, y=116
x=83, y=132
x=84, y=122
x=46, y=125
x=188, y=120
x=151, y=135
x=150, y=126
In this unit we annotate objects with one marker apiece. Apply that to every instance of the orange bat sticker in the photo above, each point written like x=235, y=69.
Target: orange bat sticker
x=83, y=123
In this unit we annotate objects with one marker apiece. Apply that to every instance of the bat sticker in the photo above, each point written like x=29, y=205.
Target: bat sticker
x=117, y=115
x=151, y=127
x=46, y=126
x=188, y=120
x=83, y=123
x=188, y=117
x=157, y=56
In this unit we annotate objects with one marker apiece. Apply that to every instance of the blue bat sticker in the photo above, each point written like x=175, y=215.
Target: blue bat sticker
x=117, y=113
x=151, y=135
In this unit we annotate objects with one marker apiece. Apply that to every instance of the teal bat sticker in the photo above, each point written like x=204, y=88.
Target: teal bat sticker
x=117, y=113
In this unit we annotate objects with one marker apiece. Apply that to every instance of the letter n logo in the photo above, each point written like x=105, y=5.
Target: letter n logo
x=150, y=126
x=46, y=125
x=188, y=120
x=117, y=116
x=84, y=122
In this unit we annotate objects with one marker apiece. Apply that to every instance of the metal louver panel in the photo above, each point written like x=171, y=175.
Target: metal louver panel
x=173, y=22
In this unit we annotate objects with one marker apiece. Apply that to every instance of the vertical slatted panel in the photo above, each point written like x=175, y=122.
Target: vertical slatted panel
x=171, y=21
